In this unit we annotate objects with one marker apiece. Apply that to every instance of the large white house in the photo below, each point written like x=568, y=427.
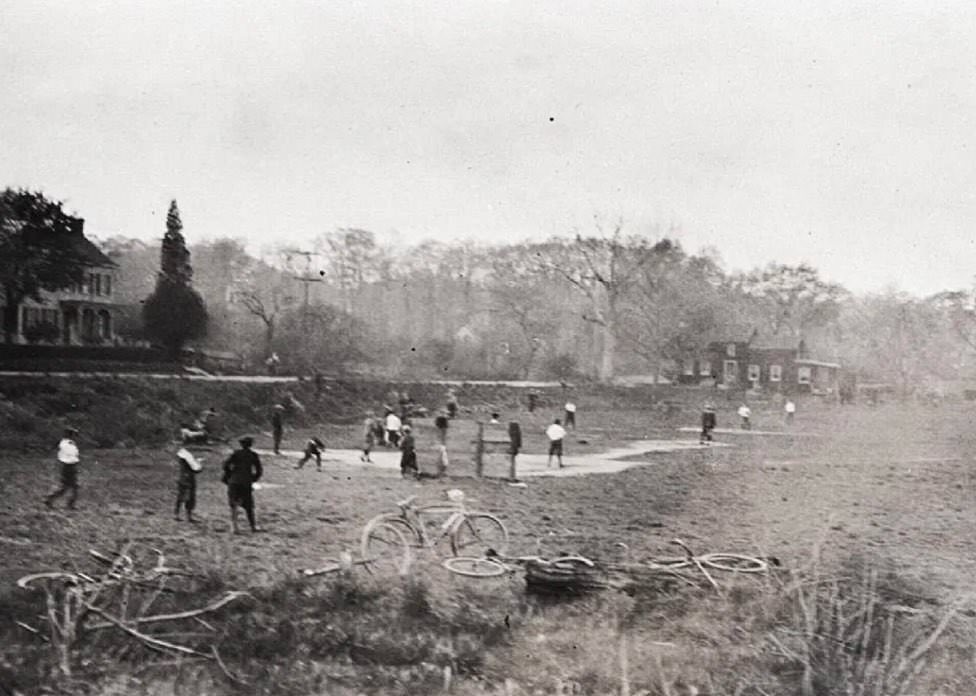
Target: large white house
x=84, y=314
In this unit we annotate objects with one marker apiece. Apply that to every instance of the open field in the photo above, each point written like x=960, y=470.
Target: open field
x=889, y=488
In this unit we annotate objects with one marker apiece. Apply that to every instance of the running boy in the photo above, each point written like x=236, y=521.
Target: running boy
x=313, y=448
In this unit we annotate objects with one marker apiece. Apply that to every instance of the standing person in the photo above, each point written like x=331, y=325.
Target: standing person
x=404, y=403
x=533, y=399
x=708, y=423
x=319, y=382
x=207, y=422
x=241, y=471
x=745, y=414
x=514, y=445
x=452, y=404
x=277, y=426
x=69, y=458
x=393, y=424
x=790, y=409
x=369, y=436
x=313, y=448
x=186, y=483
x=441, y=422
x=555, y=433
x=408, y=454
x=570, y=414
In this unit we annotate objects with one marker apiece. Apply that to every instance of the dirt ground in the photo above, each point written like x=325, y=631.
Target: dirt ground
x=893, y=483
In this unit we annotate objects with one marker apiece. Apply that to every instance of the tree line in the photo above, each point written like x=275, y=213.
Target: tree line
x=596, y=304
x=599, y=303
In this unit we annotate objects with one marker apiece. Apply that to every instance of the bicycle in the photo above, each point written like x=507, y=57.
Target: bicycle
x=472, y=533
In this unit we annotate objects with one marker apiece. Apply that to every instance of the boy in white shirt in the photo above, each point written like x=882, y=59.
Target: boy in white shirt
x=555, y=433
x=393, y=424
x=68, y=456
x=570, y=409
x=745, y=413
x=186, y=483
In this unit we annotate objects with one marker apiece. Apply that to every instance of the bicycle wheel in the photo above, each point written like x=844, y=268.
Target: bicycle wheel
x=479, y=534
x=734, y=563
x=471, y=567
x=30, y=582
x=385, y=550
x=411, y=535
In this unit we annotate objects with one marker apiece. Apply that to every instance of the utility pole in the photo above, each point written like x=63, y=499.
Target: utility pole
x=305, y=279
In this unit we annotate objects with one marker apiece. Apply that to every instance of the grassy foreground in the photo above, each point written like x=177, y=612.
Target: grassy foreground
x=868, y=511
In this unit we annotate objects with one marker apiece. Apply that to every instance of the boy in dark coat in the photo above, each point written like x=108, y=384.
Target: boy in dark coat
x=241, y=470
x=277, y=426
x=708, y=423
x=408, y=456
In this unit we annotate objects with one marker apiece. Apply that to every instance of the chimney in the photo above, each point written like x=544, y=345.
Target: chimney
x=77, y=226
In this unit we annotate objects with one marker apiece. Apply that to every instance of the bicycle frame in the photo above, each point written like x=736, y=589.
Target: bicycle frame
x=415, y=518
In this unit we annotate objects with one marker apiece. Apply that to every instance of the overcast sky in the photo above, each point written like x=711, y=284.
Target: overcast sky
x=771, y=131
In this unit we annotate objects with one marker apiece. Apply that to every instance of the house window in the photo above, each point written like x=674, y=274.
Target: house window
x=98, y=283
x=775, y=373
x=730, y=350
x=754, y=373
x=803, y=374
x=107, y=285
x=705, y=369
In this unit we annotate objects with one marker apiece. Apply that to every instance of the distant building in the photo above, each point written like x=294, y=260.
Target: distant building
x=84, y=314
x=772, y=364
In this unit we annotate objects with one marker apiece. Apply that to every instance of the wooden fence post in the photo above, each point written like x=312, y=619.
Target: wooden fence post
x=479, y=450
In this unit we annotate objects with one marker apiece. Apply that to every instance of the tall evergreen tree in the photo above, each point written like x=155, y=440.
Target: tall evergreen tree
x=175, y=313
x=175, y=257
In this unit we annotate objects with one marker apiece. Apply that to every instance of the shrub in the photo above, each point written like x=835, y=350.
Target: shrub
x=45, y=331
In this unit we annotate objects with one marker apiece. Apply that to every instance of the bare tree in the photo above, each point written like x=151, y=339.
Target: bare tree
x=604, y=269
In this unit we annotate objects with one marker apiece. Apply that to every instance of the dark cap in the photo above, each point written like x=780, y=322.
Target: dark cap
x=246, y=441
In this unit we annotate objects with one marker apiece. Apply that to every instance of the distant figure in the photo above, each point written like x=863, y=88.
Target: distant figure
x=570, y=413
x=319, y=382
x=790, y=410
x=555, y=432
x=533, y=400
x=745, y=414
x=207, y=421
x=708, y=423
x=192, y=434
x=313, y=448
x=452, y=404
x=277, y=426
x=272, y=363
x=408, y=454
x=441, y=422
x=69, y=458
x=186, y=483
x=514, y=445
x=393, y=425
x=241, y=471
x=403, y=401
x=494, y=419
x=442, y=461
x=369, y=436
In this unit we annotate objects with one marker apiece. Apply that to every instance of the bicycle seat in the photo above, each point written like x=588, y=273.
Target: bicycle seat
x=406, y=502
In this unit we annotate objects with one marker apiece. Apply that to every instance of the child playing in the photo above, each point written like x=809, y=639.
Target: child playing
x=408, y=456
x=708, y=423
x=68, y=456
x=745, y=414
x=555, y=433
x=186, y=483
x=313, y=448
x=369, y=436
